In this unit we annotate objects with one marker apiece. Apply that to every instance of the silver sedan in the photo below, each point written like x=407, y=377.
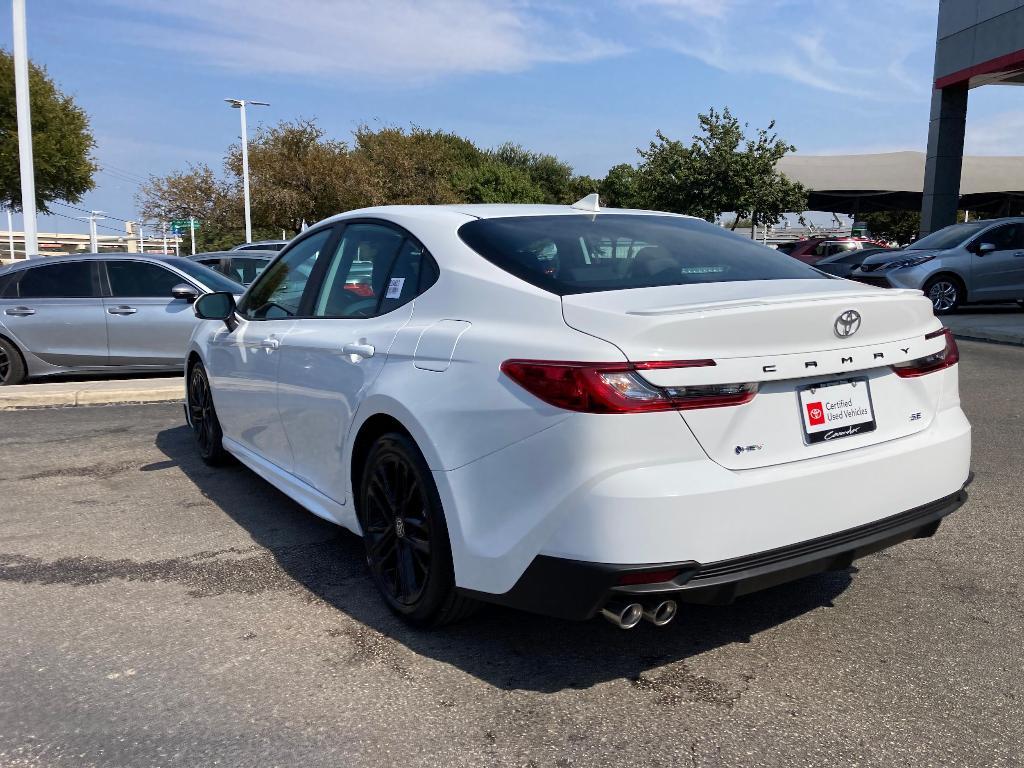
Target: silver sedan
x=95, y=313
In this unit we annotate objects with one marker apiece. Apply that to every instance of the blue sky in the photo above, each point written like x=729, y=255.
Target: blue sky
x=587, y=81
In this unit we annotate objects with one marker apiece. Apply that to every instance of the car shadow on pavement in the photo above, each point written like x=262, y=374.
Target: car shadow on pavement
x=508, y=649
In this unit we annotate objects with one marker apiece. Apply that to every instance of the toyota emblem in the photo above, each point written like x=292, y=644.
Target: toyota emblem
x=847, y=323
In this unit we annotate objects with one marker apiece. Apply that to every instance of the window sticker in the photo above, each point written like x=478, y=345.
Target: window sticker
x=395, y=288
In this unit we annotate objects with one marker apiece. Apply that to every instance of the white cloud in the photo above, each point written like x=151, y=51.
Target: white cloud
x=375, y=39
x=873, y=49
x=998, y=134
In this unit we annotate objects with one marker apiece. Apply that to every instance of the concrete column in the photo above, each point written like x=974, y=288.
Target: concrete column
x=945, y=158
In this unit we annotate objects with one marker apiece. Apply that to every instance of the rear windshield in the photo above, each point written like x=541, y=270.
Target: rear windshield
x=612, y=251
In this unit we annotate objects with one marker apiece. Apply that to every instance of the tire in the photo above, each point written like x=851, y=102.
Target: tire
x=203, y=417
x=408, y=550
x=946, y=293
x=12, y=366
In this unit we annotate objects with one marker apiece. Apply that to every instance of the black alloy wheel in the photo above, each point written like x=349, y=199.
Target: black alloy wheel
x=203, y=417
x=407, y=547
x=12, y=368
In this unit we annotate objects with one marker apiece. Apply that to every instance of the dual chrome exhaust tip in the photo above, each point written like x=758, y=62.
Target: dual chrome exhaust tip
x=627, y=615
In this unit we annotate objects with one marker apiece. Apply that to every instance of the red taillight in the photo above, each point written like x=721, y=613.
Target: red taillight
x=647, y=577
x=617, y=388
x=949, y=355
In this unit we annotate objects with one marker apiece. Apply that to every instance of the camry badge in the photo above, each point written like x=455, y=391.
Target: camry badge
x=847, y=323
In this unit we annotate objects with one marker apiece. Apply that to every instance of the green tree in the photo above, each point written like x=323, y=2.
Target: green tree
x=392, y=166
x=199, y=192
x=900, y=227
x=765, y=194
x=62, y=142
x=662, y=178
x=296, y=175
x=618, y=189
x=496, y=182
x=720, y=170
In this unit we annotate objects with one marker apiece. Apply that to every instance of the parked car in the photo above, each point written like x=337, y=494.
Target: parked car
x=811, y=250
x=99, y=313
x=261, y=245
x=242, y=267
x=843, y=263
x=976, y=261
x=580, y=411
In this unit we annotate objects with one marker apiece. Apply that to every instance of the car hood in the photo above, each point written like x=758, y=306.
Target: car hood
x=885, y=258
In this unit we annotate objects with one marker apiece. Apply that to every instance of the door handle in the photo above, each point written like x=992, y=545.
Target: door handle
x=1019, y=255
x=19, y=311
x=270, y=343
x=122, y=310
x=359, y=350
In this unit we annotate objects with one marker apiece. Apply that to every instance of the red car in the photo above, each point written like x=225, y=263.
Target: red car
x=812, y=249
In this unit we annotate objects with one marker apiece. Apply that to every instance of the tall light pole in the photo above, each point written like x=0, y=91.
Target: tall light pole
x=92, y=218
x=10, y=232
x=28, y=178
x=239, y=104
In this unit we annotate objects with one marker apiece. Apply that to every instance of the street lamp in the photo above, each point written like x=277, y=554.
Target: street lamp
x=239, y=104
x=92, y=218
x=28, y=179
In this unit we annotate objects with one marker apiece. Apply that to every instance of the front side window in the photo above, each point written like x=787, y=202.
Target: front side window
x=72, y=280
x=141, y=280
x=277, y=294
x=1005, y=237
x=359, y=273
x=564, y=255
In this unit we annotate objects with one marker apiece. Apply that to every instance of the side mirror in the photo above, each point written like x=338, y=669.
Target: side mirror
x=986, y=248
x=185, y=292
x=216, y=306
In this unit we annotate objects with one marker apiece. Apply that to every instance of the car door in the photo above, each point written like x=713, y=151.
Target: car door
x=998, y=275
x=55, y=311
x=243, y=362
x=330, y=360
x=146, y=325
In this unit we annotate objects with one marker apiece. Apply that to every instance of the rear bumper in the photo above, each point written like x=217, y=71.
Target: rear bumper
x=572, y=589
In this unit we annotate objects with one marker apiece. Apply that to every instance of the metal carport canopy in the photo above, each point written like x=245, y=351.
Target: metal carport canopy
x=895, y=180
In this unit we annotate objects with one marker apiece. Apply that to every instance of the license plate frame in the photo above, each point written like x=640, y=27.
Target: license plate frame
x=847, y=429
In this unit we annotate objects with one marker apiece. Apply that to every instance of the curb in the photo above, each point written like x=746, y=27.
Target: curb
x=91, y=393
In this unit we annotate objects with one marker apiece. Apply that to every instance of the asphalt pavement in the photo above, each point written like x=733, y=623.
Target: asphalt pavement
x=155, y=612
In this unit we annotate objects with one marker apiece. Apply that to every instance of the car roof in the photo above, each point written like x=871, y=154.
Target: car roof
x=115, y=256
x=458, y=214
x=235, y=254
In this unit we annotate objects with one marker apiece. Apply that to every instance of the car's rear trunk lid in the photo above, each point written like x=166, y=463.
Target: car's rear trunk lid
x=784, y=335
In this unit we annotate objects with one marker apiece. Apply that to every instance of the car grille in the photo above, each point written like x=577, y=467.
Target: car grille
x=877, y=280
x=872, y=267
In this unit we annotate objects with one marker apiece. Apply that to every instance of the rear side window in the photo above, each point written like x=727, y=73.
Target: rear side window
x=357, y=277
x=72, y=280
x=1005, y=238
x=141, y=280
x=610, y=252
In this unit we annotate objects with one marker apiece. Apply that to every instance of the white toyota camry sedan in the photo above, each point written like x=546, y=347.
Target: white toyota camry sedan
x=578, y=410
